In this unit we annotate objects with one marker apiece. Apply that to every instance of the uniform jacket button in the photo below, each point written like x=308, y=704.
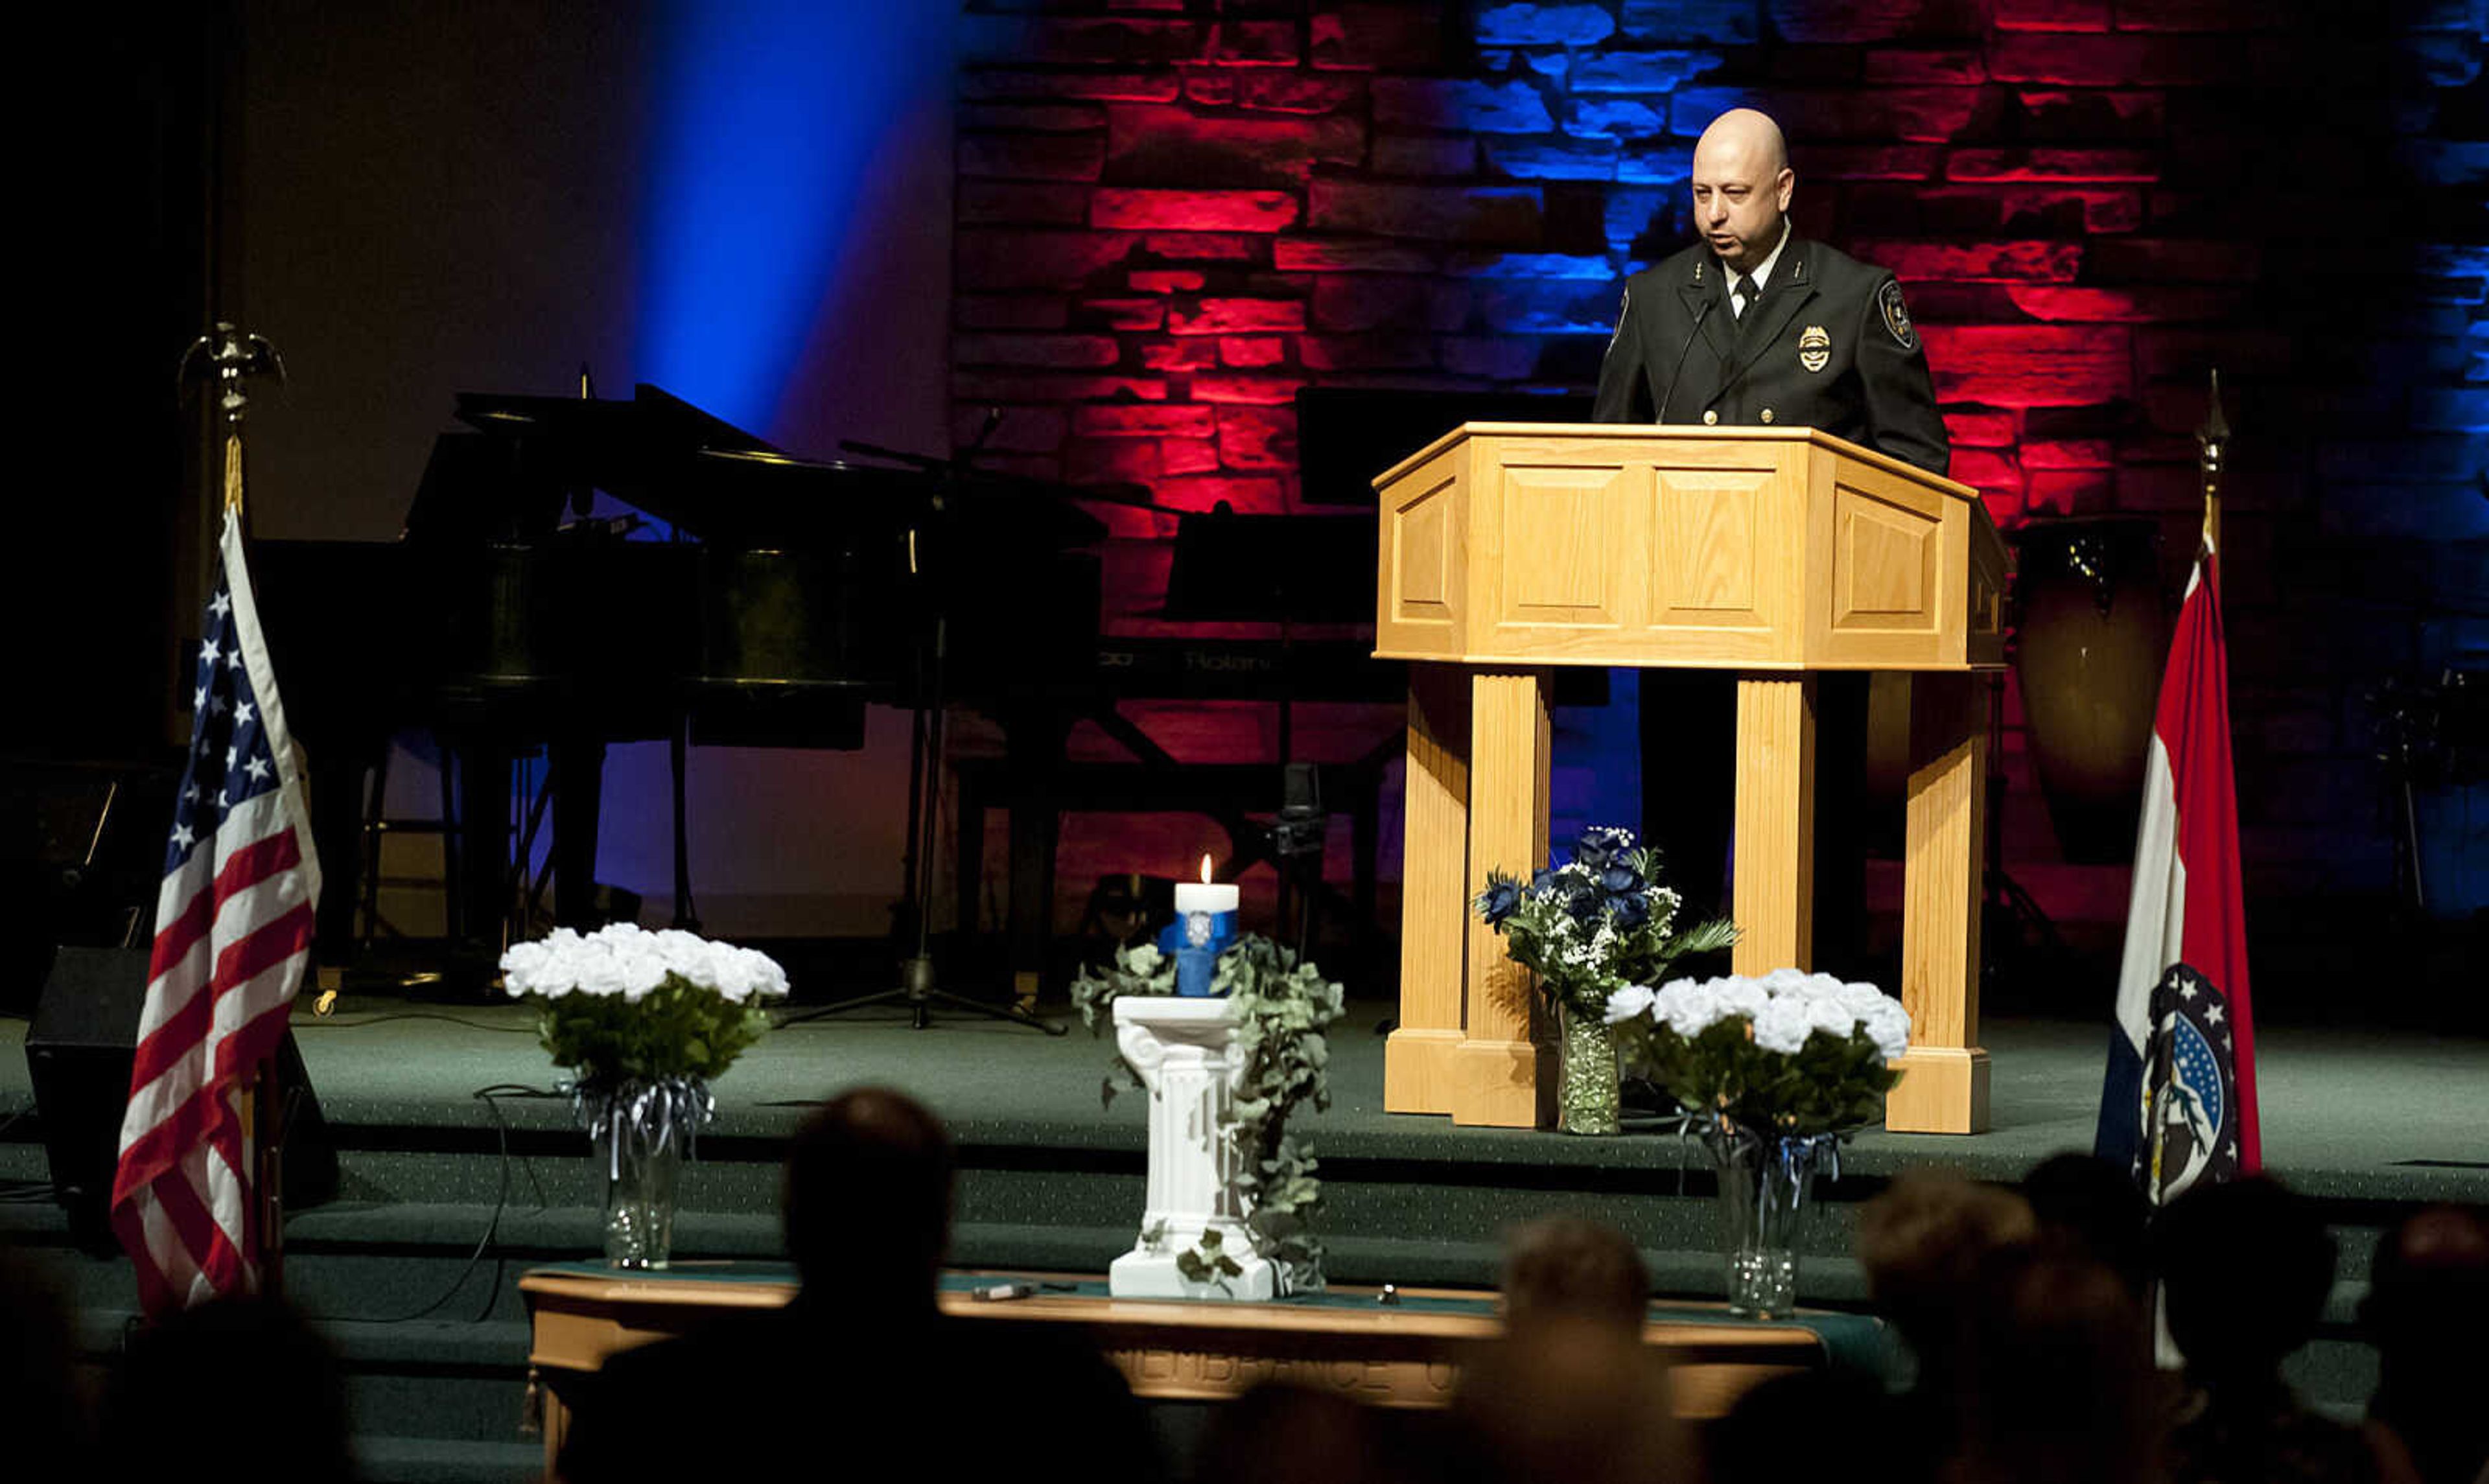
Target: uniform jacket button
x=1767, y=415
x=1708, y=419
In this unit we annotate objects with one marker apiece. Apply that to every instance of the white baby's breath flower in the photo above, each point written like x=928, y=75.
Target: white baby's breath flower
x=1784, y=1025
x=1630, y=1000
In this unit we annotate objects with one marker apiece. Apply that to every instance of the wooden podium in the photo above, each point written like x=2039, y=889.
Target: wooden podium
x=1509, y=547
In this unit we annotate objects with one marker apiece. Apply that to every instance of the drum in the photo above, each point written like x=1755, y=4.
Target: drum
x=2091, y=639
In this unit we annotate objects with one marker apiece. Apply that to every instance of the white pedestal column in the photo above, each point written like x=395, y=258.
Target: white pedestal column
x=1179, y=1048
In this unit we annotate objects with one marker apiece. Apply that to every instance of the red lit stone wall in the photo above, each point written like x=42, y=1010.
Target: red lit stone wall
x=1170, y=215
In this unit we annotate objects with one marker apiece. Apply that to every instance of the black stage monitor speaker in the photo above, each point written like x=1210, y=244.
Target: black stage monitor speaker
x=79, y=1050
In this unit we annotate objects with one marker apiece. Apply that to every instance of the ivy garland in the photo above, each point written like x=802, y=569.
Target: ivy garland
x=1284, y=1006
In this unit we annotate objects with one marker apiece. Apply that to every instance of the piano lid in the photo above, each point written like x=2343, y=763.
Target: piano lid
x=708, y=479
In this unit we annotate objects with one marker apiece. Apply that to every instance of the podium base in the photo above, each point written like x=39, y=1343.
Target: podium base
x=1142, y=1274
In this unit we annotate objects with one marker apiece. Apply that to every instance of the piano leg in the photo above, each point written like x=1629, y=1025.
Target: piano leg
x=483, y=900
x=577, y=787
x=1035, y=749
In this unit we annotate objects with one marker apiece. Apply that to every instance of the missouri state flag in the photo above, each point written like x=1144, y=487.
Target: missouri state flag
x=2179, y=1104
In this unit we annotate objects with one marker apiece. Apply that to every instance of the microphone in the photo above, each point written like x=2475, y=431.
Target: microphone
x=1674, y=371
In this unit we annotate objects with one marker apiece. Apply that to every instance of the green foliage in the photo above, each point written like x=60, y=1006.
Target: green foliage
x=1590, y=929
x=1210, y=1262
x=679, y=1029
x=1831, y=1083
x=1284, y=1006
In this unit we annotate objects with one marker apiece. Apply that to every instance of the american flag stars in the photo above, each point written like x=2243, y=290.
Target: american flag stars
x=230, y=760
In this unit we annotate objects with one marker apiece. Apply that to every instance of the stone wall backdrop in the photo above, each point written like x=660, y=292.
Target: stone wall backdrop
x=1170, y=215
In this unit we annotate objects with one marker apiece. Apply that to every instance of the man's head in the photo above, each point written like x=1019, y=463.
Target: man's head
x=869, y=1192
x=1921, y=1243
x=2245, y=1270
x=1567, y=1268
x=1742, y=183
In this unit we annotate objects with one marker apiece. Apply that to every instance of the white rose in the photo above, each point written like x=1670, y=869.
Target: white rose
x=1862, y=998
x=1628, y=1002
x=640, y=969
x=1831, y=1017
x=1691, y=1008
x=1737, y=996
x=1783, y=1026
x=1819, y=987
x=596, y=971
x=1888, y=1025
x=768, y=976
x=1783, y=981
x=523, y=966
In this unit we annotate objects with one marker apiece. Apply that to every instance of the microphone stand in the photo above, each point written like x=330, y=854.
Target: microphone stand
x=918, y=986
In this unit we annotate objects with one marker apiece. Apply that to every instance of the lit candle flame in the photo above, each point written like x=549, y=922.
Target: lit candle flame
x=1205, y=869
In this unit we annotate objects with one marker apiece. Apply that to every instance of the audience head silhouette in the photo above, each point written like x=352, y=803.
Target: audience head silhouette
x=1922, y=1242
x=2427, y=1305
x=869, y=1195
x=2245, y=1268
x=1567, y=1268
x=2051, y=1376
x=191, y=1375
x=2094, y=1207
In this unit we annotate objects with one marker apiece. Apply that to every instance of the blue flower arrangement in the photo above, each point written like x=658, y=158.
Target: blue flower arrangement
x=1591, y=923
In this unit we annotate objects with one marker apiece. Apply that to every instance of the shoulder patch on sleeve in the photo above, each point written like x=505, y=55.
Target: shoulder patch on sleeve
x=1897, y=315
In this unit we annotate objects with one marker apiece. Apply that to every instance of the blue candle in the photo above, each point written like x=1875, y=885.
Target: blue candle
x=1196, y=939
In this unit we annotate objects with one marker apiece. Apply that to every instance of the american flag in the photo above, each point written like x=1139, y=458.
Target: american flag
x=233, y=929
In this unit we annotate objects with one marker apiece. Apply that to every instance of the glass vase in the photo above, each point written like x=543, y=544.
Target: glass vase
x=1586, y=1093
x=1766, y=1199
x=641, y=1171
x=642, y=1131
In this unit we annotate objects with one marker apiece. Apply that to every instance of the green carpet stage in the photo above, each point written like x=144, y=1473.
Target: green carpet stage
x=448, y=1196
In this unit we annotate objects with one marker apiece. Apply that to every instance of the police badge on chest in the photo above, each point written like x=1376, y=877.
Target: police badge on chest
x=1814, y=348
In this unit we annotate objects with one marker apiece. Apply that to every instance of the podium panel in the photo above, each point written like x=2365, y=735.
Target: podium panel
x=1505, y=548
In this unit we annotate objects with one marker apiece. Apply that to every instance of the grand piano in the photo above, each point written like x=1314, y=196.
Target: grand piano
x=785, y=595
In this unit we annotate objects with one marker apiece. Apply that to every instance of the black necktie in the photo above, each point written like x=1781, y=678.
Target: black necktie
x=1747, y=294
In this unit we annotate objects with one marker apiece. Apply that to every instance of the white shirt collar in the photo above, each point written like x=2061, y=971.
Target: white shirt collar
x=1762, y=274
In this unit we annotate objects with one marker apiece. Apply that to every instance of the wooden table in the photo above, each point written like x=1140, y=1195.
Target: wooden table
x=1408, y=1355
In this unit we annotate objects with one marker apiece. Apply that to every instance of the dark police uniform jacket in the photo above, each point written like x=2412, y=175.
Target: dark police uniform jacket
x=1828, y=344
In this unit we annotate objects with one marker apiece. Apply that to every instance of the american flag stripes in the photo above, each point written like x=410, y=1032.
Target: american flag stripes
x=233, y=930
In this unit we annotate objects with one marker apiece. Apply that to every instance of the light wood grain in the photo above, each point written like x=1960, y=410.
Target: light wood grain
x=1421, y=569
x=1382, y=1356
x=1941, y=888
x=1507, y=548
x=1943, y=1090
x=1416, y=1075
x=1511, y=748
x=1772, y=888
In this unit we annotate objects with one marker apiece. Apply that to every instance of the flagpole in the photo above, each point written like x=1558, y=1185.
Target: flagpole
x=231, y=357
x=2210, y=439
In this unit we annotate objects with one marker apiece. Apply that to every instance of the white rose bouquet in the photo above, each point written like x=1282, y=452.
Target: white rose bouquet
x=1786, y=1054
x=624, y=1005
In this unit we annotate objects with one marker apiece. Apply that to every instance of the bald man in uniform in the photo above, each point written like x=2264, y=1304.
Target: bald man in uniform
x=1755, y=326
